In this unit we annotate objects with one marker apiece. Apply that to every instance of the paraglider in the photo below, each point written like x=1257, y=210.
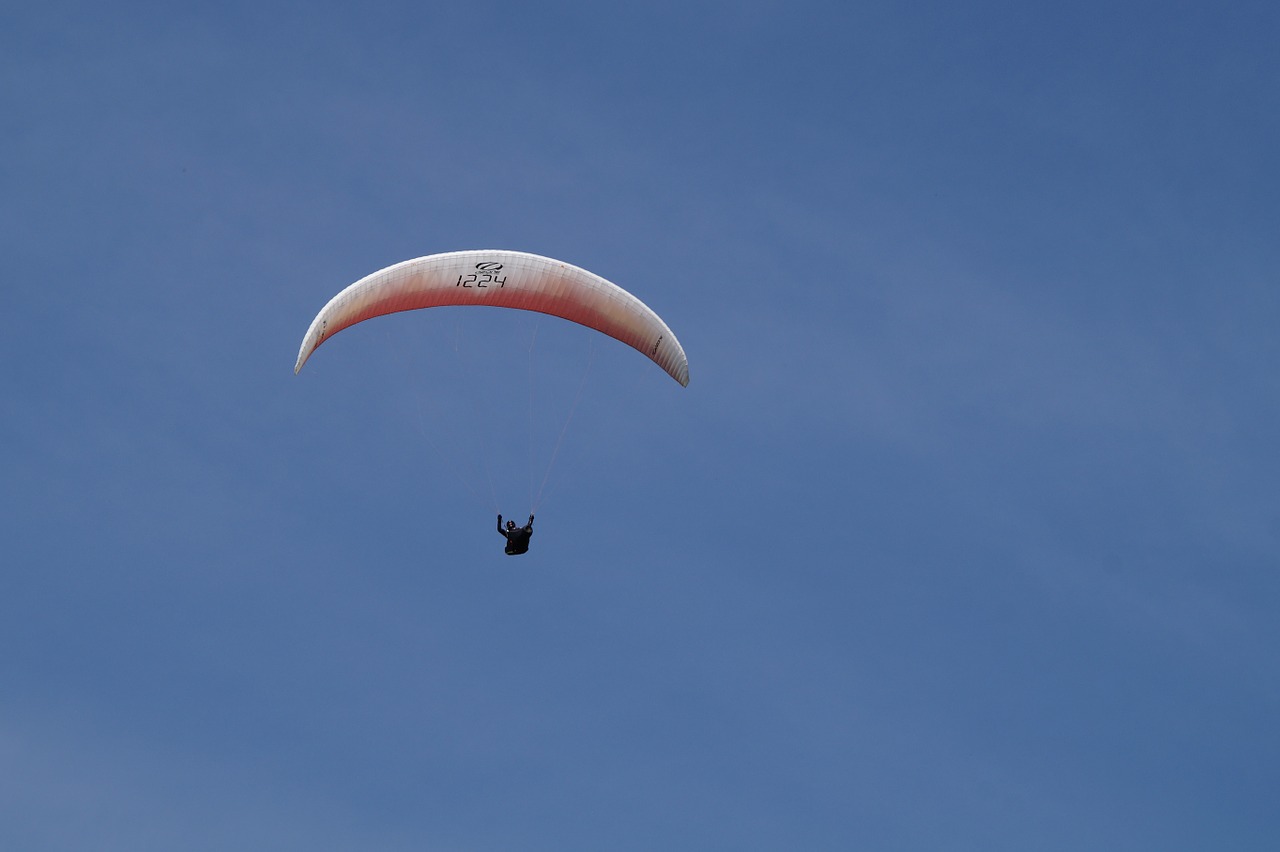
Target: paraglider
x=502, y=279
x=517, y=537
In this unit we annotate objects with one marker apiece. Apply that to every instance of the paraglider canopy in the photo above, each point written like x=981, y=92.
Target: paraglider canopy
x=502, y=279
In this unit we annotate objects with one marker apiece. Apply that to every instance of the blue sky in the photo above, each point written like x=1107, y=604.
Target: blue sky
x=962, y=537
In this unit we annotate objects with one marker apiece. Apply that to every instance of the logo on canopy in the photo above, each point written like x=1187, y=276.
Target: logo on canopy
x=486, y=275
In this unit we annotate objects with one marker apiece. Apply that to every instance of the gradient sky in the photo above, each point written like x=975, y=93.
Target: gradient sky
x=963, y=536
